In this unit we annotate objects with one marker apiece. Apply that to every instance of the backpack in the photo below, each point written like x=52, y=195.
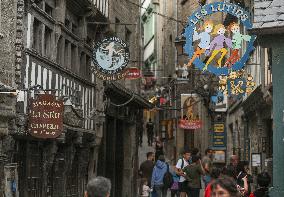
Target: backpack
x=182, y=165
x=168, y=178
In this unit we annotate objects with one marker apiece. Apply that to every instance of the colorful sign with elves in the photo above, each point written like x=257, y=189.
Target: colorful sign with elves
x=214, y=41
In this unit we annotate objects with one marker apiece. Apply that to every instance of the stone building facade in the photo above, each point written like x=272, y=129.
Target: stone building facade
x=8, y=23
x=52, y=54
x=249, y=119
x=118, y=154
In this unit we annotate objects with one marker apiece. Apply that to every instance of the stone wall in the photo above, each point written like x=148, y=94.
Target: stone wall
x=8, y=12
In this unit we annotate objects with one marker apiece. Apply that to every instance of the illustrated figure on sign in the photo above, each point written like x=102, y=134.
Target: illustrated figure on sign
x=219, y=48
x=237, y=40
x=223, y=84
x=113, y=55
x=188, y=106
x=184, y=73
x=204, y=43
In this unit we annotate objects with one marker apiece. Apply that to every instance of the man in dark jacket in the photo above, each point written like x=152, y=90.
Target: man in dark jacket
x=150, y=131
x=159, y=171
x=146, y=168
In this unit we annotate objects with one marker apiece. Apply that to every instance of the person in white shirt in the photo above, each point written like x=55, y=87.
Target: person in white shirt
x=145, y=188
x=183, y=162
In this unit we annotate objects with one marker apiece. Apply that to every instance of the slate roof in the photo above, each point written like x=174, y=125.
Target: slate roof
x=268, y=14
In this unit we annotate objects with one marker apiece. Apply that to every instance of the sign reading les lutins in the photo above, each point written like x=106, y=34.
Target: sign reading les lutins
x=208, y=44
x=46, y=117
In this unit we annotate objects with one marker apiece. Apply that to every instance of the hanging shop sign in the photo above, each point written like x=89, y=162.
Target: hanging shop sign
x=189, y=124
x=133, y=73
x=190, y=112
x=236, y=84
x=207, y=44
x=45, y=117
x=219, y=136
x=110, y=57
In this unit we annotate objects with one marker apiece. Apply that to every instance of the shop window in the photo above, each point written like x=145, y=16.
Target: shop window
x=67, y=23
x=47, y=41
x=88, y=66
x=74, y=29
x=34, y=164
x=83, y=64
x=59, y=55
x=127, y=36
x=72, y=179
x=117, y=21
x=74, y=57
x=39, y=3
x=37, y=29
x=48, y=9
x=67, y=54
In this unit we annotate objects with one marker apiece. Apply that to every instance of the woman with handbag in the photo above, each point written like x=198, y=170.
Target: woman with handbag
x=175, y=186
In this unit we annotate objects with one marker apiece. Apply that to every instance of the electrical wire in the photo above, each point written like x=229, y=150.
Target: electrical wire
x=157, y=13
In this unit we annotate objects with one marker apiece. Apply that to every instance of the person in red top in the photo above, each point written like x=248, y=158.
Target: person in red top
x=215, y=173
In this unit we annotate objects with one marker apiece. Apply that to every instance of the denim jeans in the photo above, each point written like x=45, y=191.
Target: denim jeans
x=160, y=191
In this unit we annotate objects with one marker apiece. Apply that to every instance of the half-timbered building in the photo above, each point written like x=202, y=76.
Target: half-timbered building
x=55, y=52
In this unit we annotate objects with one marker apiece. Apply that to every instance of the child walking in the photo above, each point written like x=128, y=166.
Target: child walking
x=145, y=188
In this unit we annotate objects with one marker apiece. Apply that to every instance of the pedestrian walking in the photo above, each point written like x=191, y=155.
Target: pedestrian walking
x=99, y=186
x=193, y=172
x=181, y=164
x=157, y=182
x=159, y=148
x=150, y=132
x=263, y=181
x=140, y=132
x=207, y=162
x=146, y=168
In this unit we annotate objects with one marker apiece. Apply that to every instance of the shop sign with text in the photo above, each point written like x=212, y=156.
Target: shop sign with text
x=45, y=117
x=189, y=124
x=133, y=73
x=219, y=136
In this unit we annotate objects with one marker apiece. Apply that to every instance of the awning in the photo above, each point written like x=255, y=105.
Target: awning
x=119, y=93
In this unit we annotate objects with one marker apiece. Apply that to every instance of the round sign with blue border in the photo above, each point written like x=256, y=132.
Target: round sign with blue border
x=214, y=44
x=110, y=57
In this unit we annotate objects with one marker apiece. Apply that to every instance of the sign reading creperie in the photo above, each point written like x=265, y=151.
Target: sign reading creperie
x=46, y=117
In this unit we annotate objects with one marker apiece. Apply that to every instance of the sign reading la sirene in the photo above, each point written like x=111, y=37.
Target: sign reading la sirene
x=110, y=57
x=45, y=117
x=214, y=41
